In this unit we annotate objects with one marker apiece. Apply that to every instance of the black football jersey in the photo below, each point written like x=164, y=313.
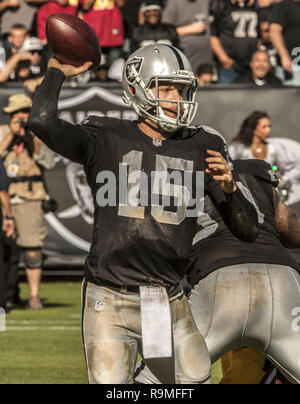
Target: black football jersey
x=144, y=35
x=142, y=234
x=215, y=247
x=236, y=28
x=142, y=244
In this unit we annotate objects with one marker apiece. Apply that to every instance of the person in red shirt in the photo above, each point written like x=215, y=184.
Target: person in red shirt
x=52, y=7
x=105, y=17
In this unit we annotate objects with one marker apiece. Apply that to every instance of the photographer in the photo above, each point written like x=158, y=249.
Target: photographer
x=25, y=157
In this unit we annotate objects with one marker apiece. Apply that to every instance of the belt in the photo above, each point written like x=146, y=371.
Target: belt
x=24, y=178
x=29, y=179
x=171, y=290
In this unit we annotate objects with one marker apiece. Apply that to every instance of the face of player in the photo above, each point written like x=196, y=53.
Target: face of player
x=17, y=37
x=260, y=65
x=263, y=129
x=169, y=91
x=153, y=17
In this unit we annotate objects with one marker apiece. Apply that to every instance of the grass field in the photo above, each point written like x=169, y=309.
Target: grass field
x=45, y=347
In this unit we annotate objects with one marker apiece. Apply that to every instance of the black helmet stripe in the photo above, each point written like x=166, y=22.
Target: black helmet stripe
x=178, y=57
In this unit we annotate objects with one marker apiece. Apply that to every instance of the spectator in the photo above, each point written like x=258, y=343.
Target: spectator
x=11, y=45
x=153, y=30
x=130, y=14
x=234, y=36
x=8, y=4
x=51, y=7
x=27, y=65
x=130, y=10
x=264, y=3
x=260, y=73
x=23, y=156
x=204, y=74
x=264, y=41
x=8, y=72
x=23, y=14
x=253, y=141
x=285, y=33
x=32, y=74
x=106, y=19
x=7, y=225
x=191, y=20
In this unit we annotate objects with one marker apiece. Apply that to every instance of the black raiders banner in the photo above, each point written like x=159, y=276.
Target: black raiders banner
x=223, y=108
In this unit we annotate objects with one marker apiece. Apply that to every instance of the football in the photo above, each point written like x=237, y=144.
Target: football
x=72, y=41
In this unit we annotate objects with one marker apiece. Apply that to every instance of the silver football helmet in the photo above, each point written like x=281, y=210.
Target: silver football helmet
x=149, y=66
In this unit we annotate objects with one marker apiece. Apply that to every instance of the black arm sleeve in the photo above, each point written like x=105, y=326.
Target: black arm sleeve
x=237, y=212
x=242, y=216
x=71, y=141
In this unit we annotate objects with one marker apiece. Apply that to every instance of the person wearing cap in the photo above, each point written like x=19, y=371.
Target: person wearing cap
x=153, y=30
x=26, y=64
x=24, y=155
x=7, y=72
x=33, y=73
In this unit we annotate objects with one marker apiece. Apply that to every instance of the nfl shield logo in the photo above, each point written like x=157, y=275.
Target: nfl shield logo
x=99, y=306
x=157, y=142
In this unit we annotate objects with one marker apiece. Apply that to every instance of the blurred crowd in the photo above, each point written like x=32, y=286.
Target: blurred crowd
x=232, y=42
x=227, y=41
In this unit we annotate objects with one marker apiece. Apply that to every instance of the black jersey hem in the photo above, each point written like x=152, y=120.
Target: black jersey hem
x=202, y=274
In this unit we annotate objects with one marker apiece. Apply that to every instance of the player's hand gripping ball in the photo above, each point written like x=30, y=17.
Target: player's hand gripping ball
x=72, y=40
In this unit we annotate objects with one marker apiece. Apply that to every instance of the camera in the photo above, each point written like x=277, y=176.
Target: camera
x=24, y=125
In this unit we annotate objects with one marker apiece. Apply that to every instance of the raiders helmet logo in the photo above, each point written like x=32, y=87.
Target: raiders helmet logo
x=133, y=68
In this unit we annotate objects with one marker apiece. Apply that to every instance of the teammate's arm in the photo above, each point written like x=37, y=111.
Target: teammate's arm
x=238, y=213
x=288, y=226
x=71, y=141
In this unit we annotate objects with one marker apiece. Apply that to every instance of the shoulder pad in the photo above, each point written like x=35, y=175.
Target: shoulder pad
x=198, y=129
x=213, y=131
x=187, y=132
x=259, y=169
x=101, y=122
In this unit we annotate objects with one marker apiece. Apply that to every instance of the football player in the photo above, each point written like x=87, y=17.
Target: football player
x=140, y=246
x=247, y=295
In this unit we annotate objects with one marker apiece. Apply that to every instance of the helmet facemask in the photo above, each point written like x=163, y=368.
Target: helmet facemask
x=186, y=107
